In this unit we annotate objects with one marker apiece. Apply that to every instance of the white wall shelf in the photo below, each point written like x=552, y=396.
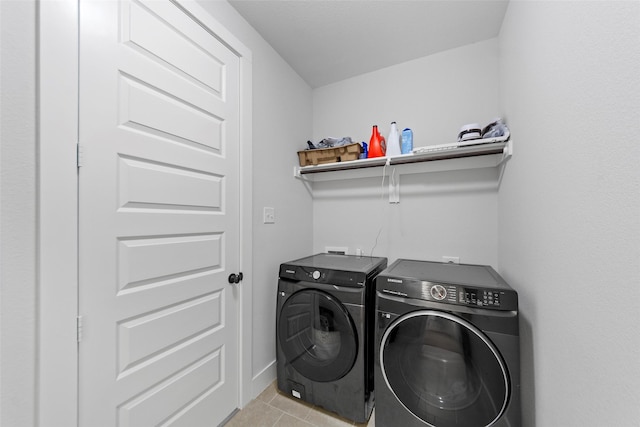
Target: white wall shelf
x=471, y=157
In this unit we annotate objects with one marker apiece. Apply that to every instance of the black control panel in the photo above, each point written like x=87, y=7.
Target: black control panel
x=447, y=293
x=478, y=286
x=323, y=275
x=481, y=298
x=345, y=270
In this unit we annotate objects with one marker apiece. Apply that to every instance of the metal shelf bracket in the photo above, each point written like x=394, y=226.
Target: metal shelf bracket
x=507, y=152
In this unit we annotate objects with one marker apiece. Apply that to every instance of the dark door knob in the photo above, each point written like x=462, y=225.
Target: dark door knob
x=235, y=278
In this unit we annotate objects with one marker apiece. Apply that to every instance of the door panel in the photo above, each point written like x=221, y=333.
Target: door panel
x=173, y=187
x=158, y=213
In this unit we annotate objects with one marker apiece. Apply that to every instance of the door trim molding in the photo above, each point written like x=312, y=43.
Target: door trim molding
x=57, y=377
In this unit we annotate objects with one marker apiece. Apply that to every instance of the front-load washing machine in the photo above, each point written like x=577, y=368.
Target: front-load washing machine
x=448, y=347
x=325, y=332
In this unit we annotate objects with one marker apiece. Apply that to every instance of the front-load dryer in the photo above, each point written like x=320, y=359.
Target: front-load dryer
x=325, y=332
x=448, y=347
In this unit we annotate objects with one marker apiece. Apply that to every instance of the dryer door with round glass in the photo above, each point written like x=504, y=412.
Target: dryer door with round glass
x=317, y=335
x=444, y=370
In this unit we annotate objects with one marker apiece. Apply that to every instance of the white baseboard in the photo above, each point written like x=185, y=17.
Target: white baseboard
x=263, y=379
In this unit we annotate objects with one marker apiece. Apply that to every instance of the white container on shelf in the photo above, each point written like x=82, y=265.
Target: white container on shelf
x=393, y=142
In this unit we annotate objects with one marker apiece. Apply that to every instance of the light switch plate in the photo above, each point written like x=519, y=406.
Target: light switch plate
x=269, y=215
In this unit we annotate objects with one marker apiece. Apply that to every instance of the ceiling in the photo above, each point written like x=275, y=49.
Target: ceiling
x=326, y=41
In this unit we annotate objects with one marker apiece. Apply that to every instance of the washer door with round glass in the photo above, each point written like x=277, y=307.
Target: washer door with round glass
x=317, y=335
x=444, y=370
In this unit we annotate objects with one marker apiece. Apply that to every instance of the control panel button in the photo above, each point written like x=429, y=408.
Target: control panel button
x=315, y=275
x=438, y=292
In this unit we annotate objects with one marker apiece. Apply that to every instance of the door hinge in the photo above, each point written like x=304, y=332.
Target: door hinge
x=79, y=328
x=79, y=155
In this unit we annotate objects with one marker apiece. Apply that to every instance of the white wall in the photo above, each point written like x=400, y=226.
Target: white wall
x=440, y=213
x=434, y=96
x=569, y=217
x=17, y=213
x=281, y=120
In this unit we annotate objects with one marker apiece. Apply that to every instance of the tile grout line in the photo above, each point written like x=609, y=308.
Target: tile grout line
x=305, y=420
x=279, y=418
x=288, y=413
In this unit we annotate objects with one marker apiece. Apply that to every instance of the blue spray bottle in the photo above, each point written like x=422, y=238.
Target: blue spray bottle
x=407, y=141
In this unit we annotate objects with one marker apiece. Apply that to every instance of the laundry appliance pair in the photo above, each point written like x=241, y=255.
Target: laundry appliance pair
x=440, y=341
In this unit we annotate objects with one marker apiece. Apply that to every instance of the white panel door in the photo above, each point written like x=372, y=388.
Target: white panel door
x=158, y=213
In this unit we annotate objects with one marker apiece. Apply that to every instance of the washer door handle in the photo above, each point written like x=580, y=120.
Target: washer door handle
x=234, y=279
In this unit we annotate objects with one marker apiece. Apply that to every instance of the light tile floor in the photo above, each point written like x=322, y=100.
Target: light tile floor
x=274, y=409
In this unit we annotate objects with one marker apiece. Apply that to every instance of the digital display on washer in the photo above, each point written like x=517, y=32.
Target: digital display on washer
x=482, y=298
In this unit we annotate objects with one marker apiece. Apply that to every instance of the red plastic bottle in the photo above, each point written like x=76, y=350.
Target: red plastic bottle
x=377, y=144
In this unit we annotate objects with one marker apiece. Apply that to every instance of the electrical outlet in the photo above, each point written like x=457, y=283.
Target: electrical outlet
x=340, y=250
x=269, y=216
x=451, y=259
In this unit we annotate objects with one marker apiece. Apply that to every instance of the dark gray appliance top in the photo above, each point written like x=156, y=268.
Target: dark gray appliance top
x=460, y=274
x=346, y=270
x=478, y=286
x=353, y=263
